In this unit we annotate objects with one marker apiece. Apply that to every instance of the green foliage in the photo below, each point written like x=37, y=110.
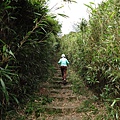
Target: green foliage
x=113, y=112
x=88, y=106
x=95, y=51
x=28, y=41
x=103, y=44
x=33, y=108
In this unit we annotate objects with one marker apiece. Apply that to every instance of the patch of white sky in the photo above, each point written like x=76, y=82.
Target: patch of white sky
x=74, y=11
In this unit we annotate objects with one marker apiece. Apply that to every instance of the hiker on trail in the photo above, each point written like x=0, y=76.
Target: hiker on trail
x=63, y=62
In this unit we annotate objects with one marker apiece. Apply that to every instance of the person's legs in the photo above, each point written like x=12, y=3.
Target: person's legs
x=65, y=72
x=62, y=72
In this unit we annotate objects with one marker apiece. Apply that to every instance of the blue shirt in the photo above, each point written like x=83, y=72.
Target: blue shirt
x=63, y=62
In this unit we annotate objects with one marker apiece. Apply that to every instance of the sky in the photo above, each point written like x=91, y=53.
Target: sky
x=74, y=11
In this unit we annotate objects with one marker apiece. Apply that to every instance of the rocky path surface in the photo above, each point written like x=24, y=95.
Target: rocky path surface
x=66, y=105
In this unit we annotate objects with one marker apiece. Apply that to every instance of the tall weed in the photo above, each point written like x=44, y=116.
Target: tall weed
x=95, y=53
x=28, y=40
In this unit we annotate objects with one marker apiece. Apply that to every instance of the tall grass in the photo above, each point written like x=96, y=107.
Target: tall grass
x=95, y=52
x=28, y=39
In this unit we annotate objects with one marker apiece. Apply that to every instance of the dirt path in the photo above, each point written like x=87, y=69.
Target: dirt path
x=66, y=104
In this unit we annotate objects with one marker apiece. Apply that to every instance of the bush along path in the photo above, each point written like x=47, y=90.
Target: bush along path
x=72, y=101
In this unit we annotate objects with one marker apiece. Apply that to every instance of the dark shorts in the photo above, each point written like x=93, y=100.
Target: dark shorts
x=63, y=67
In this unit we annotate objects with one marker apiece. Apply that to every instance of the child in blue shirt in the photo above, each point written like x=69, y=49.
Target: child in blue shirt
x=63, y=62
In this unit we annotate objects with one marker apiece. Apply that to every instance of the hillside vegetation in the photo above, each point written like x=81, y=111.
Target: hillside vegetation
x=28, y=39
x=29, y=42
x=94, y=52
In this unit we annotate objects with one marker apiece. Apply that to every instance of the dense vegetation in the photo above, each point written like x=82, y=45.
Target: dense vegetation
x=28, y=39
x=94, y=51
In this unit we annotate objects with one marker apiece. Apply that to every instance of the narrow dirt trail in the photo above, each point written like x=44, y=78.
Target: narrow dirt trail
x=66, y=104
